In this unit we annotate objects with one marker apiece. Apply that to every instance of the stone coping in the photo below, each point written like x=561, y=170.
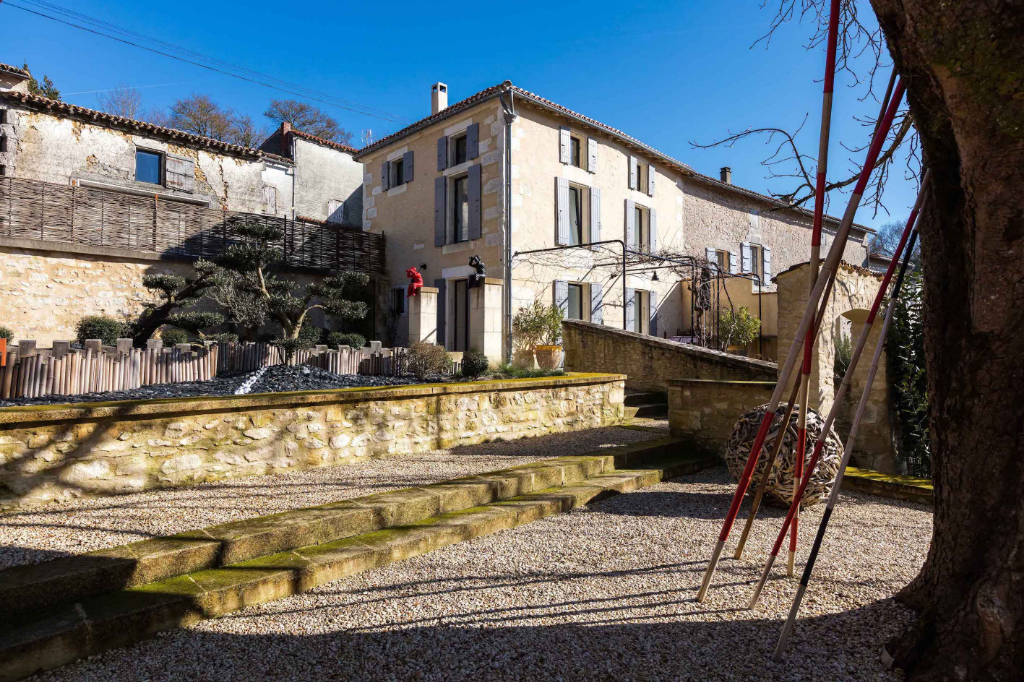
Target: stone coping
x=162, y=407
x=720, y=382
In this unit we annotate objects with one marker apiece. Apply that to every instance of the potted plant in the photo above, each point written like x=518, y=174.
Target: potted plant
x=527, y=334
x=737, y=330
x=549, y=351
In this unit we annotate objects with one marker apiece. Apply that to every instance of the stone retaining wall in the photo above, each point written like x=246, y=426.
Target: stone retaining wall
x=52, y=453
x=704, y=411
x=649, y=362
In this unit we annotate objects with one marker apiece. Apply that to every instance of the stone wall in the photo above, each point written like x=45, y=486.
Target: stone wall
x=323, y=175
x=704, y=411
x=648, y=362
x=52, y=453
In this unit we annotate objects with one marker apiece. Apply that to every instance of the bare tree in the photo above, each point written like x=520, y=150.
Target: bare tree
x=123, y=100
x=307, y=118
x=200, y=115
x=246, y=133
x=963, y=64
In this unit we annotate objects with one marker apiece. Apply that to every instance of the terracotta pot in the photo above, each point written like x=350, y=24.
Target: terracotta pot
x=549, y=357
x=524, y=359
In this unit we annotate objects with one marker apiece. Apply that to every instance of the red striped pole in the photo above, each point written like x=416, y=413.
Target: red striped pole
x=835, y=254
x=843, y=388
x=850, y=442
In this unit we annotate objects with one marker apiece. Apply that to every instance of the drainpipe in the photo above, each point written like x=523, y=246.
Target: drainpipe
x=510, y=116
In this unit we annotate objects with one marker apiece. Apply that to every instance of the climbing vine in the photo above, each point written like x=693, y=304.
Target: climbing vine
x=908, y=394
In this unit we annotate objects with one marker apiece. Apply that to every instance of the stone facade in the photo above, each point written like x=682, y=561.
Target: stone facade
x=704, y=411
x=848, y=307
x=650, y=363
x=328, y=183
x=55, y=453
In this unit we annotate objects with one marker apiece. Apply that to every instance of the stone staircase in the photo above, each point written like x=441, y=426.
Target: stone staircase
x=66, y=609
x=652, y=405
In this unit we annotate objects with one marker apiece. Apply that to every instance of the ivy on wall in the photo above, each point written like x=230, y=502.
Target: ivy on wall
x=908, y=389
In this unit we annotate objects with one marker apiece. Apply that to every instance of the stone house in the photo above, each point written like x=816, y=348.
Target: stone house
x=447, y=186
x=82, y=174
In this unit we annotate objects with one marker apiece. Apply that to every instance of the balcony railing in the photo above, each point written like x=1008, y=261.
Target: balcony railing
x=31, y=209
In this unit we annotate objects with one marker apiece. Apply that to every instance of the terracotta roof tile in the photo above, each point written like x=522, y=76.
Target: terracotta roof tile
x=495, y=90
x=15, y=70
x=58, y=108
x=326, y=143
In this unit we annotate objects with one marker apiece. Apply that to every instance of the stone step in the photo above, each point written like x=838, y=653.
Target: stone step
x=652, y=397
x=648, y=411
x=25, y=589
x=121, y=618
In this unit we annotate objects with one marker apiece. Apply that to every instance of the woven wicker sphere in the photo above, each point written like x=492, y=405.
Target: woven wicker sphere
x=780, y=483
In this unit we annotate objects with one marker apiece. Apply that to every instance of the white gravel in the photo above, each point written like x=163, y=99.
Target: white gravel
x=34, y=535
x=605, y=592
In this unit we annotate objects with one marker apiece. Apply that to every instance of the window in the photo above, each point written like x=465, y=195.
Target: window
x=460, y=204
x=641, y=311
x=723, y=260
x=757, y=261
x=398, y=172
x=642, y=223
x=575, y=307
x=574, y=151
x=576, y=229
x=459, y=150
x=641, y=177
x=148, y=166
x=398, y=300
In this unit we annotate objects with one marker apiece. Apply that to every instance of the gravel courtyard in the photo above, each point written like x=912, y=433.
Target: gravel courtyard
x=34, y=535
x=605, y=592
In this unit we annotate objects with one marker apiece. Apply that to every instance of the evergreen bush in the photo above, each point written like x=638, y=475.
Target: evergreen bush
x=107, y=329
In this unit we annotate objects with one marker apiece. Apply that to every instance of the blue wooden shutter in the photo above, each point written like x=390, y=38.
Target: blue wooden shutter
x=653, y=298
x=632, y=172
x=734, y=263
x=561, y=211
x=630, y=224
x=654, y=231
x=748, y=262
x=440, y=214
x=595, y=214
x=591, y=155
x=385, y=175
x=561, y=288
x=442, y=153
x=651, y=174
x=630, y=304
x=473, y=141
x=442, y=300
x=767, y=264
x=563, y=145
x=596, y=304
x=407, y=166
x=475, y=210
x=711, y=256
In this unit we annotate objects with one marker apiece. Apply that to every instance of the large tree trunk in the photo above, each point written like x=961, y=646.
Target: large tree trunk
x=963, y=63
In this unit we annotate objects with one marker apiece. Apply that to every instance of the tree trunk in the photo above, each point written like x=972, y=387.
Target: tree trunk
x=963, y=63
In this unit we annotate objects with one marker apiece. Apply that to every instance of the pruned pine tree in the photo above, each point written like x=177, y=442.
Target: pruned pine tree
x=250, y=286
x=175, y=295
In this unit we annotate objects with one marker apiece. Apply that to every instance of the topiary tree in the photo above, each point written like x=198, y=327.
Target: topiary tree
x=6, y=333
x=107, y=329
x=474, y=363
x=174, y=294
x=172, y=336
x=248, y=284
x=428, y=358
x=351, y=339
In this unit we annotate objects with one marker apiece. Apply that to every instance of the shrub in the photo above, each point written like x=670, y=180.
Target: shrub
x=335, y=339
x=536, y=325
x=427, y=358
x=841, y=362
x=310, y=335
x=510, y=371
x=737, y=329
x=474, y=363
x=107, y=329
x=6, y=333
x=172, y=336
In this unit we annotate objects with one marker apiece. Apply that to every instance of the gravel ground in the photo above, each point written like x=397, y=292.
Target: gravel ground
x=276, y=378
x=35, y=535
x=605, y=592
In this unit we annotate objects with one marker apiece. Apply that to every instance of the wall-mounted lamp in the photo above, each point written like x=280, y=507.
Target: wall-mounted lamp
x=423, y=266
x=655, y=278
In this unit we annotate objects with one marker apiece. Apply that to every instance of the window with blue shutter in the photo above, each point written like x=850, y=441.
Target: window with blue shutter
x=442, y=153
x=630, y=224
x=385, y=176
x=767, y=265
x=596, y=303
x=475, y=208
x=653, y=246
x=407, y=167
x=440, y=216
x=748, y=265
x=632, y=172
x=630, y=309
x=473, y=141
x=563, y=145
x=651, y=174
x=561, y=291
x=595, y=214
x=591, y=155
x=562, y=212
x=734, y=263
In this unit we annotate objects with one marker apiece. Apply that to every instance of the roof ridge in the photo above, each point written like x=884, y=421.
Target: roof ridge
x=330, y=143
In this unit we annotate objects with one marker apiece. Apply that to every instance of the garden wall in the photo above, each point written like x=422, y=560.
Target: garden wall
x=704, y=411
x=52, y=453
x=649, y=362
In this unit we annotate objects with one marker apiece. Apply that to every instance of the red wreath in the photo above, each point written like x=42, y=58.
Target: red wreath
x=416, y=284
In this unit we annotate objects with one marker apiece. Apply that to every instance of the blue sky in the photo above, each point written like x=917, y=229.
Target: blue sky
x=667, y=73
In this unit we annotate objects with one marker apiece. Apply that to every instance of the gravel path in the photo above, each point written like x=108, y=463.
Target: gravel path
x=35, y=535
x=605, y=592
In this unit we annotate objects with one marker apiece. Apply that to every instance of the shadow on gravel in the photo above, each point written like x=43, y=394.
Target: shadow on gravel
x=465, y=646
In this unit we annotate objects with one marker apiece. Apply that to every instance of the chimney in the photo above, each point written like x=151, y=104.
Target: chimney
x=438, y=97
x=726, y=175
x=286, y=128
